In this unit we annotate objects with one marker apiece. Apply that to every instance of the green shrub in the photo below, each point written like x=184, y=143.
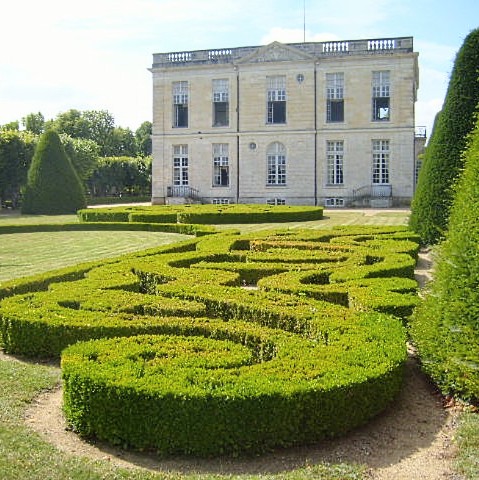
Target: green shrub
x=202, y=214
x=53, y=186
x=446, y=324
x=442, y=159
x=316, y=339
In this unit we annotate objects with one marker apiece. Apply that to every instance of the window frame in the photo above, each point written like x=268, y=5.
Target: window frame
x=180, y=165
x=220, y=101
x=276, y=100
x=335, y=97
x=335, y=162
x=220, y=153
x=180, y=93
x=381, y=162
x=276, y=165
x=381, y=96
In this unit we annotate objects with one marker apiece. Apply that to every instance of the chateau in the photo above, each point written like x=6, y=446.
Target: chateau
x=314, y=123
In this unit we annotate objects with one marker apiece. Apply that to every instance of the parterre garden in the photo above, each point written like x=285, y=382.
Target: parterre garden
x=226, y=343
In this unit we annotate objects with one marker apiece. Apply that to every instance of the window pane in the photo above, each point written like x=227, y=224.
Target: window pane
x=335, y=111
x=220, y=114
x=334, y=153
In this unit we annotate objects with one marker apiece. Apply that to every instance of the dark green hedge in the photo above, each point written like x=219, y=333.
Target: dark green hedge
x=315, y=318
x=446, y=324
x=443, y=160
x=203, y=214
x=186, y=229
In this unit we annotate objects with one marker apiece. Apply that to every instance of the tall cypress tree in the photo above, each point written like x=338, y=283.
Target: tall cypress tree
x=53, y=186
x=445, y=326
x=442, y=158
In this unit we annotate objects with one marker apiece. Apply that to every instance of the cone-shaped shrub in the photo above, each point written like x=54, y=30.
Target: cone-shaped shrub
x=442, y=158
x=53, y=186
x=446, y=324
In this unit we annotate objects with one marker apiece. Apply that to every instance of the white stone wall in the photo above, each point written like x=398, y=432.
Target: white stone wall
x=304, y=134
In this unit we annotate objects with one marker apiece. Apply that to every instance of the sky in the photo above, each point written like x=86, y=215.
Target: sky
x=57, y=55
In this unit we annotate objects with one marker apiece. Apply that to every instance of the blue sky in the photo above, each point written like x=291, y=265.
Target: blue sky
x=94, y=54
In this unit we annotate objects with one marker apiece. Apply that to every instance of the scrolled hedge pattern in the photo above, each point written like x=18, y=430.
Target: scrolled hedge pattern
x=226, y=343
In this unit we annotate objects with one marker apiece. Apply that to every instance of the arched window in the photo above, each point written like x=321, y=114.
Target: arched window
x=276, y=164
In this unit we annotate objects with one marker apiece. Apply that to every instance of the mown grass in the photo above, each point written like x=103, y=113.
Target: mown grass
x=24, y=454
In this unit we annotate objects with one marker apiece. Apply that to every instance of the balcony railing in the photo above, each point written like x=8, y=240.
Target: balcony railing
x=183, y=191
x=373, y=191
x=420, y=132
x=375, y=46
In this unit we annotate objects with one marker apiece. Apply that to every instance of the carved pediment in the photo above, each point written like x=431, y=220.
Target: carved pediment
x=276, y=52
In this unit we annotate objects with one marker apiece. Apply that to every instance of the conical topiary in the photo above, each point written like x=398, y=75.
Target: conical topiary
x=442, y=158
x=53, y=186
x=445, y=325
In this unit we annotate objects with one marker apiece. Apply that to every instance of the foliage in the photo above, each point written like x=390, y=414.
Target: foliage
x=83, y=154
x=296, y=359
x=115, y=175
x=203, y=214
x=446, y=326
x=442, y=158
x=16, y=152
x=34, y=122
x=53, y=186
x=143, y=139
x=99, y=127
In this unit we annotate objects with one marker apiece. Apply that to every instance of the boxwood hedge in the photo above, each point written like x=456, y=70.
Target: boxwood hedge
x=203, y=214
x=226, y=343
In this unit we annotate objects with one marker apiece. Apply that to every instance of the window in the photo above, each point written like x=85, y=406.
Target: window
x=221, y=103
x=276, y=99
x=334, y=154
x=381, y=96
x=180, y=165
x=335, y=97
x=334, y=202
x=221, y=201
x=380, y=161
x=221, y=172
x=276, y=164
x=276, y=201
x=180, y=104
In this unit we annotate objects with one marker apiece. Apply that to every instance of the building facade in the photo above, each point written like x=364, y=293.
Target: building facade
x=320, y=123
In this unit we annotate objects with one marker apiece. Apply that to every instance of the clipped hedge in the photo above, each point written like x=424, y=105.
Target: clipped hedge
x=203, y=214
x=313, y=321
x=445, y=326
x=186, y=229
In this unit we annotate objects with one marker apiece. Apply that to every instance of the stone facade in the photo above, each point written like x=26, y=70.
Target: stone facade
x=323, y=123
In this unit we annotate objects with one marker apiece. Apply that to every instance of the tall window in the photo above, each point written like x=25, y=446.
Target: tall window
x=180, y=104
x=381, y=96
x=276, y=164
x=180, y=165
x=276, y=99
x=221, y=103
x=334, y=154
x=380, y=161
x=335, y=97
x=221, y=169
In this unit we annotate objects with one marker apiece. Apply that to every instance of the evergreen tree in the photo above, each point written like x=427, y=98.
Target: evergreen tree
x=446, y=325
x=53, y=186
x=442, y=158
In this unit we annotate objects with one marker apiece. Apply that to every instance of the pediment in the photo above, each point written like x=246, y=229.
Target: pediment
x=276, y=52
